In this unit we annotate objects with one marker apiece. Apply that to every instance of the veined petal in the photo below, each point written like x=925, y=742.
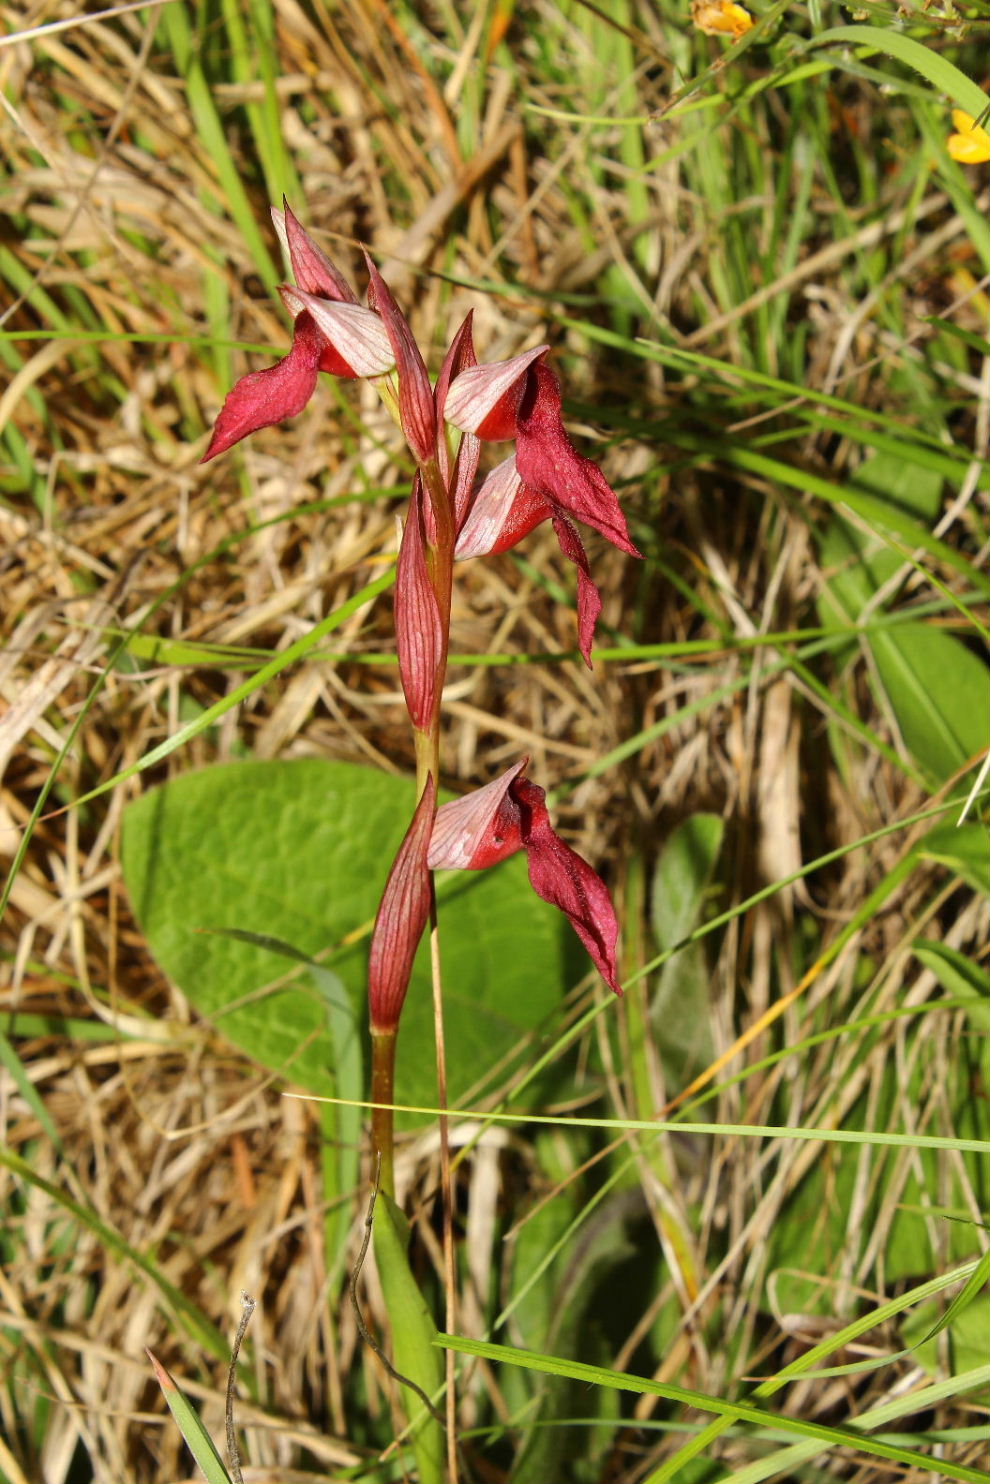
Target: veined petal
x=484, y=399
x=416, y=410
x=466, y=834
x=311, y=268
x=502, y=511
x=356, y=333
x=418, y=629
x=549, y=464
x=560, y=876
x=402, y=915
x=510, y=813
x=262, y=398
x=459, y=356
x=465, y=473
x=331, y=360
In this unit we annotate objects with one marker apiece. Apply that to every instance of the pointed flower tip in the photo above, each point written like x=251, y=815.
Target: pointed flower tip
x=417, y=412
x=311, y=268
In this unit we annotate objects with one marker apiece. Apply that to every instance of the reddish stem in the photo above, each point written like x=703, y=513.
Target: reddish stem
x=382, y=1117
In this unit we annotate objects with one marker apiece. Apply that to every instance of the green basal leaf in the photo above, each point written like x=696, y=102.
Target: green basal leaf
x=414, y=1335
x=227, y=866
x=680, y=1011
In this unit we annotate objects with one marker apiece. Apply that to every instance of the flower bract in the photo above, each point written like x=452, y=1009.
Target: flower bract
x=401, y=918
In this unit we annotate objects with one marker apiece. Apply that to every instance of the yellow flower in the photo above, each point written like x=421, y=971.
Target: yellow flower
x=721, y=18
x=971, y=145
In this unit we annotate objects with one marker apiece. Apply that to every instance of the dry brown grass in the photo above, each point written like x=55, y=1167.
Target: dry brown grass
x=178, y=1144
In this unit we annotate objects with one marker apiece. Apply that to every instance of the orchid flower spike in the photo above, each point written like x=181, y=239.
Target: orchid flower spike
x=510, y=814
x=332, y=332
x=546, y=478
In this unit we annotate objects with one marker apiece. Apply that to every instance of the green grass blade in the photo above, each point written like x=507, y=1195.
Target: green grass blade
x=200, y=1444
x=413, y=1338
x=193, y=1320
x=27, y=1090
x=214, y=141
x=212, y=714
x=943, y=75
x=786, y=1459
x=830, y=1437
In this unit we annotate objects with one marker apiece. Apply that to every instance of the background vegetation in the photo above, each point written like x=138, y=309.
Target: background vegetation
x=765, y=282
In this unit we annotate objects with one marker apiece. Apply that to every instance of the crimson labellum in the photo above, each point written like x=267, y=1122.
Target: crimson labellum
x=510, y=814
x=546, y=479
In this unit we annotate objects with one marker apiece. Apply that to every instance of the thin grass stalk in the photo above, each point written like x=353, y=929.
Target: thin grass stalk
x=446, y=1189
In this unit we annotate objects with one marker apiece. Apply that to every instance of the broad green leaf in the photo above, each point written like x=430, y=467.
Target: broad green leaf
x=682, y=877
x=856, y=562
x=959, y=977
x=341, y=1123
x=680, y=1011
x=414, y=1336
x=961, y=848
x=939, y=691
x=342, y=1150
x=966, y=1321
x=299, y=851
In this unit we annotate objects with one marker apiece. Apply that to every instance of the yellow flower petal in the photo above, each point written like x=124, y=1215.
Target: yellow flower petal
x=971, y=145
x=721, y=18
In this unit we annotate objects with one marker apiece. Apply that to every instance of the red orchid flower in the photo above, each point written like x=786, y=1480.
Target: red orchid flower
x=546, y=479
x=332, y=332
x=510, y=814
